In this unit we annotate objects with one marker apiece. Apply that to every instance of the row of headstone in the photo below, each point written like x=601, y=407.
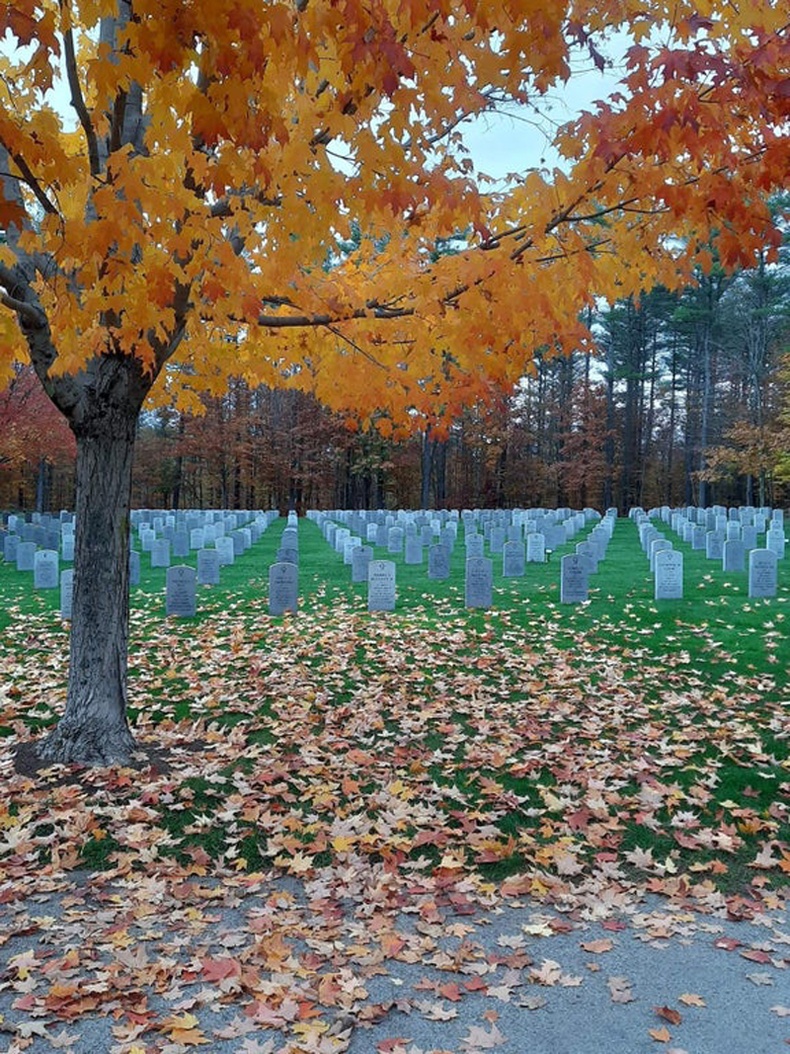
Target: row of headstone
x=502, y=533
x=710, y=529
x=667, y=563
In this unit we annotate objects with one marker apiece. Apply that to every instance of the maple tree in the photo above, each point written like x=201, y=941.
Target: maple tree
x=177, y=226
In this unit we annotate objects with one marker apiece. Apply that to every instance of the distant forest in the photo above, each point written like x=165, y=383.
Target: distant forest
x=687, y=401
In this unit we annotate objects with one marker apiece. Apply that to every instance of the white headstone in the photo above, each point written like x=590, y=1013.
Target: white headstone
x=10, y=546
x=66, y=593
x=479, y=582
x=413, y=552
x=160, y=553
x=180, y=593
x=395, y=540
x=360, y=563
x=283, y=588
x=573, y=579
x=733, y=555
x=536, y=548
x=775, y=540
x=208, y=567
x=46, y=573
x=514, y=559
x=134, y=567
x=381, y=585
x=25, y=556
x=224, y=546
x=762, y=573
x=474, y=545
x=668, y=575
x=438, y=562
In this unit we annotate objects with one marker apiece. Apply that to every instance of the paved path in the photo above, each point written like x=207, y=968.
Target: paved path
x=362, y=964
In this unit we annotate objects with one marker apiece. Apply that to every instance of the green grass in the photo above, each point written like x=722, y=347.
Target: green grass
x=530, y=738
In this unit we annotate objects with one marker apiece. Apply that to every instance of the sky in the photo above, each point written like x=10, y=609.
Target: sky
x=503, y=143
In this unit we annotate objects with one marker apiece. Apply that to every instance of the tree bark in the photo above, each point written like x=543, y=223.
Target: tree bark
x=94, y=728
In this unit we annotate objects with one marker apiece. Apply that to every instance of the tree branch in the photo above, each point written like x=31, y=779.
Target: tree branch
x=27, y=311
x=78, y=102
x=35, y=186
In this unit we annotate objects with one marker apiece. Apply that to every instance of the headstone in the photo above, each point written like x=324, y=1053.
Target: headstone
x=657, y=544
x=46, y=573
x=474, y=545
x=413, y=554
x=180, y=592
x=180, y=544
x=497, y=539
x=66, y=593
x=587, y=552
x=395, y=540
x=513, y=559
x=668, y=575
x=160, y=553
x=283, y=589
x=208, y=567
x=438, y=562
x=25, y=556
x=147, y=539
x=10, y=546
x=749, y=536
x=733, y=555
x=134, y=567
x=762, y=573
x=381, y=585
x=714, y=545
x=479, y=582
x=536, y=548
x=360, y=562
x=224, y=546
x=290, y=538
x=775, y=540
x=573, y=579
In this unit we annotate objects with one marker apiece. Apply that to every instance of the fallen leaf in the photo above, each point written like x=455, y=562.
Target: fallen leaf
x=603, y=945
x=479, y=1039
x=660, y=1035
x=620, y=990
x=674, y=1017
x=760, y=978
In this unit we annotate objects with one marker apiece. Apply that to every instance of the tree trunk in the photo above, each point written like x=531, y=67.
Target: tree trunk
x=426, y=466
x=94, y=728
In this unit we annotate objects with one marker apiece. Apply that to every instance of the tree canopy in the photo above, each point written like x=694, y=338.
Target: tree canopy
x=212, y=161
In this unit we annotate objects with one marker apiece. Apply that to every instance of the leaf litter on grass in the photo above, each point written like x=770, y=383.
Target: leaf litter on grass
x=396, y=770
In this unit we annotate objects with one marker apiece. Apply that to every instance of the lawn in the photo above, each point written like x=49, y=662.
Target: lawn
x=592, y=751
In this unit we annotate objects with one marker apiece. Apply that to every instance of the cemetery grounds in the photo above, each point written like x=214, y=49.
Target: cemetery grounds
x=585, y=756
